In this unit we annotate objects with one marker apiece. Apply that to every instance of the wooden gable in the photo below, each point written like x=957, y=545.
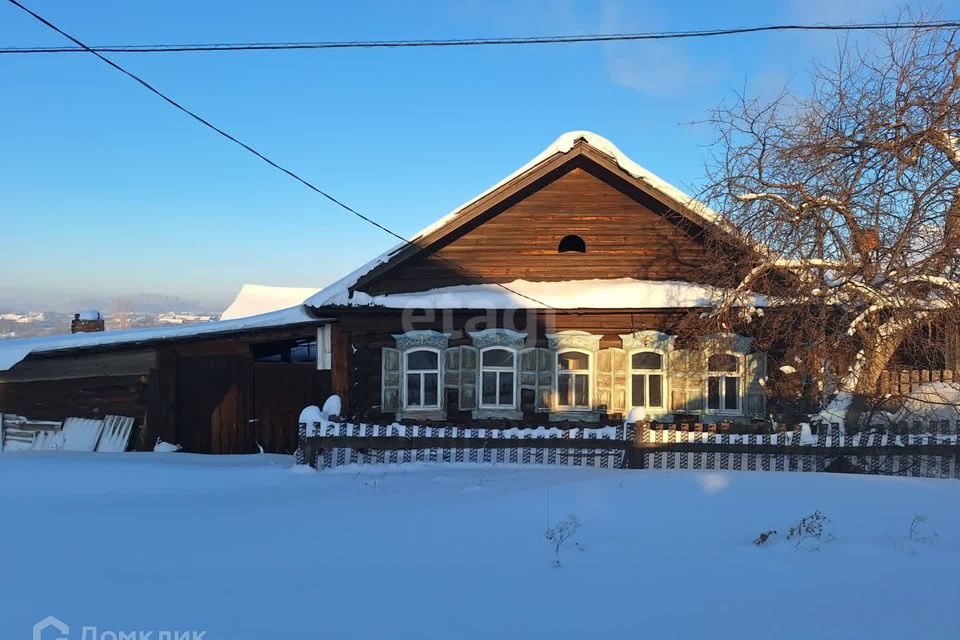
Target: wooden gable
x=514, y=233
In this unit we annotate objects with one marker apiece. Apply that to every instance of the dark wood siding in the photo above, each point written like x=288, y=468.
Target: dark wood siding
x=131, y=362
x=372, y=330
x=627, y=236
x=282, y=391
x=214, y=404
x=200, y=393
x=82, y=385
x=92, y=397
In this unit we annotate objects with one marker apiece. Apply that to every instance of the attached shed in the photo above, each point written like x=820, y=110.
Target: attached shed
x=219, y=387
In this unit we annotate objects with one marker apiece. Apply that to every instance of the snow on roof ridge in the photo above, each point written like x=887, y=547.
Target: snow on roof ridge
x=563, y=144
x=13, y=351
x=257, y=299
x=613, y=293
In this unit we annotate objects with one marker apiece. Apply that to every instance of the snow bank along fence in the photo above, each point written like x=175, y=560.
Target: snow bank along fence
x=929, y=451
x=111, y=434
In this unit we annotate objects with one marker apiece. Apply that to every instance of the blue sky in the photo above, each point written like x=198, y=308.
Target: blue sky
x=106, y=190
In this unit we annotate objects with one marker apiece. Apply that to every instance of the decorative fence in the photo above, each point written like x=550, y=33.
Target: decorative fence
x=343, y=444
x=933, y=453
x=930, y=454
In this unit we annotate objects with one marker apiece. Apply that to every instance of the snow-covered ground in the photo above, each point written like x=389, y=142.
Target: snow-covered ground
x=243, y=547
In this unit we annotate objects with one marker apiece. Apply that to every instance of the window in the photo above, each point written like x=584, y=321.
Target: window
x=723, y=382
x=422, y=379
x=646, y=379
x=497, y=375
x=573, y=244
x=291, y=351
x=573, y=380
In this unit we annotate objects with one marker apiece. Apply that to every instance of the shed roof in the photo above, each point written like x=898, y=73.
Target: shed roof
x=14, y=351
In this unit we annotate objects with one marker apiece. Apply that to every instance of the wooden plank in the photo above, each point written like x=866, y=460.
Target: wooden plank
x=81, y=397
x=625, y=238
x=82, y=365
x=340, y=371
x=214, y=404
x=282, y=390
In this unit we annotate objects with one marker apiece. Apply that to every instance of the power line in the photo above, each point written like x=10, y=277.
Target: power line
x=477, y=42
x=273, y=164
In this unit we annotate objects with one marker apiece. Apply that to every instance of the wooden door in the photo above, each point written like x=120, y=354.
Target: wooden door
x=282, y=391
x=214, y=404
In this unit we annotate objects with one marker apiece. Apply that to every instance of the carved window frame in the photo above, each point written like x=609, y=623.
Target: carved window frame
x=421, y=340
x=581, y=342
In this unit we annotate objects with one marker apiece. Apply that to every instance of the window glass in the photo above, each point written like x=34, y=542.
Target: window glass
x=506, y=388
x=581, y=395
x=304, y=351
x=655, y=382
x=647, y=360
x=413, y=390
x=573, y=360
x=639, y=391
x=731, y=392
x=430, y=391
x=722, y=362
x=421, y=360
x=497, y=358
x=488, y=391
x=422, y=379
x=563, y=391
x=288, y=351
x=713, y=393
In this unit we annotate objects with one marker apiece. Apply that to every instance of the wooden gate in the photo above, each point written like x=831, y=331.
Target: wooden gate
x=215, y=404
x=282, y=391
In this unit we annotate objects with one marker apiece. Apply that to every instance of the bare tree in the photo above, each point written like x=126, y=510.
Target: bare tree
x=852, y=197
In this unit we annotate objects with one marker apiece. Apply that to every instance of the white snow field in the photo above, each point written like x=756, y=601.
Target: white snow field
x=244, y=547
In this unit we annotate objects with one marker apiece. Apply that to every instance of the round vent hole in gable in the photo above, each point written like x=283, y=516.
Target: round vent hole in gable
x=572, y=243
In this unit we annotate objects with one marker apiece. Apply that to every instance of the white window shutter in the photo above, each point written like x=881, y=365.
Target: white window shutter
x=390, y=380
x=324, y=348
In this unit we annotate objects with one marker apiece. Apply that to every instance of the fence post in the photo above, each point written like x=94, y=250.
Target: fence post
x=301, y=454
x=956, y=453
x=641, y=433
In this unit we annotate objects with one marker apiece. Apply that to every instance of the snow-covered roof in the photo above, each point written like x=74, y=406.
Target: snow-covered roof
x=255, y=299
x=564, y=144
x=14, y=351
x=618, y=293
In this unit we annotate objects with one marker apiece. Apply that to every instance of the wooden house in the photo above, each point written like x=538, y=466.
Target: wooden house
x=555, y=296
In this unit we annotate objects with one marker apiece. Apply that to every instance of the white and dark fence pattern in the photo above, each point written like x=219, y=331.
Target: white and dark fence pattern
x=335, y=445
x=933, y=455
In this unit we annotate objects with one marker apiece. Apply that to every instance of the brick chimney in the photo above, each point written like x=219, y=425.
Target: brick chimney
x=86, y=322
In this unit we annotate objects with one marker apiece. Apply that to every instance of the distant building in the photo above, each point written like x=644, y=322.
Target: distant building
x=86, y=322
